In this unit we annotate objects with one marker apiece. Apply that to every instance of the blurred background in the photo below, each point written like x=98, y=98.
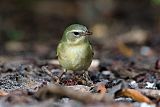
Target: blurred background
x=122, y=27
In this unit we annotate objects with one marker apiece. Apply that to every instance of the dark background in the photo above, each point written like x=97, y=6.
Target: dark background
x=34, y=27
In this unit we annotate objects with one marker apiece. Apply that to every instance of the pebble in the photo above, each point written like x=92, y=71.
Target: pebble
x=133, y=84
x=150, y=85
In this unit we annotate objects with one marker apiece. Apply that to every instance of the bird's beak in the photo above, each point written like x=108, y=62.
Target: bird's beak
x=88, y=33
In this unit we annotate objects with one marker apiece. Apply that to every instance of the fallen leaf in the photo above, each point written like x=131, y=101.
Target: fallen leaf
x=136, y=95
x=124, y=49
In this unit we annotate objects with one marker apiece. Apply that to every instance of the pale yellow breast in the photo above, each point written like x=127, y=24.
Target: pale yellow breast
x=76, y=57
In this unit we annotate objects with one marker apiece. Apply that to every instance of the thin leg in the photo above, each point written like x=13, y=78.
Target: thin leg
x=87, y=77
x=64, y=71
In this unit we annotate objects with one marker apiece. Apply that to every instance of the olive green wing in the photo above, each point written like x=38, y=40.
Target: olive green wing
x=90, y=45
x=59, y=49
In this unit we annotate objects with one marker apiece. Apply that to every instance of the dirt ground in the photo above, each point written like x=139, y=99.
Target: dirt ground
x=125, y=71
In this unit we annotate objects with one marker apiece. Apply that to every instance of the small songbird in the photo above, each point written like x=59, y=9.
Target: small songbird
x=74, y=50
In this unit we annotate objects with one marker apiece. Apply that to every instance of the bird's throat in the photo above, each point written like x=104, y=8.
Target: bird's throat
x=78, y=41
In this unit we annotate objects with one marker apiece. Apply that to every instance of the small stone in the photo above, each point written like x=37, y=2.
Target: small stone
x=146, y=105
x=106, y=72
x=146, y=51
x=133, y=84
x=150, y=85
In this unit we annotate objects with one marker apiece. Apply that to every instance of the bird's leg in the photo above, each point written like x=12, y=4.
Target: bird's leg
x=87, y=77
x=64, y=72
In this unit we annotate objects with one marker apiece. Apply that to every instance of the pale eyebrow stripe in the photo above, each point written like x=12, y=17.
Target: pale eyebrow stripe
x=75, y=31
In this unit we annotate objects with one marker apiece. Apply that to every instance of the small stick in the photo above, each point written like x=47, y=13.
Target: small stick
x=60, y=91
x=150, y=93
x=44, y=69
x=47, y=71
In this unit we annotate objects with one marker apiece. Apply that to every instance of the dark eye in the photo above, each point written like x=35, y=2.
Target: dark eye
x=76, y=33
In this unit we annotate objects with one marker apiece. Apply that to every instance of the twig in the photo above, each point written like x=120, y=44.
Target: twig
x=44, y=69
x=55, y=78
x=60, y=91
x=150, y=92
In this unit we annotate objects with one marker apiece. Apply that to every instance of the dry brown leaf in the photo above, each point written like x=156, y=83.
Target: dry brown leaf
x=136, y=95
x=124, y=49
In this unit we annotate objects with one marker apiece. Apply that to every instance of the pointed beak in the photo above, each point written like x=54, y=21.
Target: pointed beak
x=88, y=33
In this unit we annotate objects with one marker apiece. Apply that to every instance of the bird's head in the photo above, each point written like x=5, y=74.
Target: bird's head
x=76, y=33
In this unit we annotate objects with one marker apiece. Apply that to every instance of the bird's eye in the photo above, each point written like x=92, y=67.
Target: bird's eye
x=76, y=33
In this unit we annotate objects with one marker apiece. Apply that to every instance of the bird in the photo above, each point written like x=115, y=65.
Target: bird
x=74, y=50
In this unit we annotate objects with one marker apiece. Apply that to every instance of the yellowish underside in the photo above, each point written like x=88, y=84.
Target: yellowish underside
x=75, y=57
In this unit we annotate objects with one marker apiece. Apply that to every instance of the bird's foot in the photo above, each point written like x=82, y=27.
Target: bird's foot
x=87, y=78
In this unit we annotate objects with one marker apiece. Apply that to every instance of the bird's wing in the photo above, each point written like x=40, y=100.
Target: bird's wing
x=90, y=45
x=92, y=50
x=58, y=48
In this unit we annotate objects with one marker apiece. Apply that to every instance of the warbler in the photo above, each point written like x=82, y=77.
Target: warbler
x=74, y=50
